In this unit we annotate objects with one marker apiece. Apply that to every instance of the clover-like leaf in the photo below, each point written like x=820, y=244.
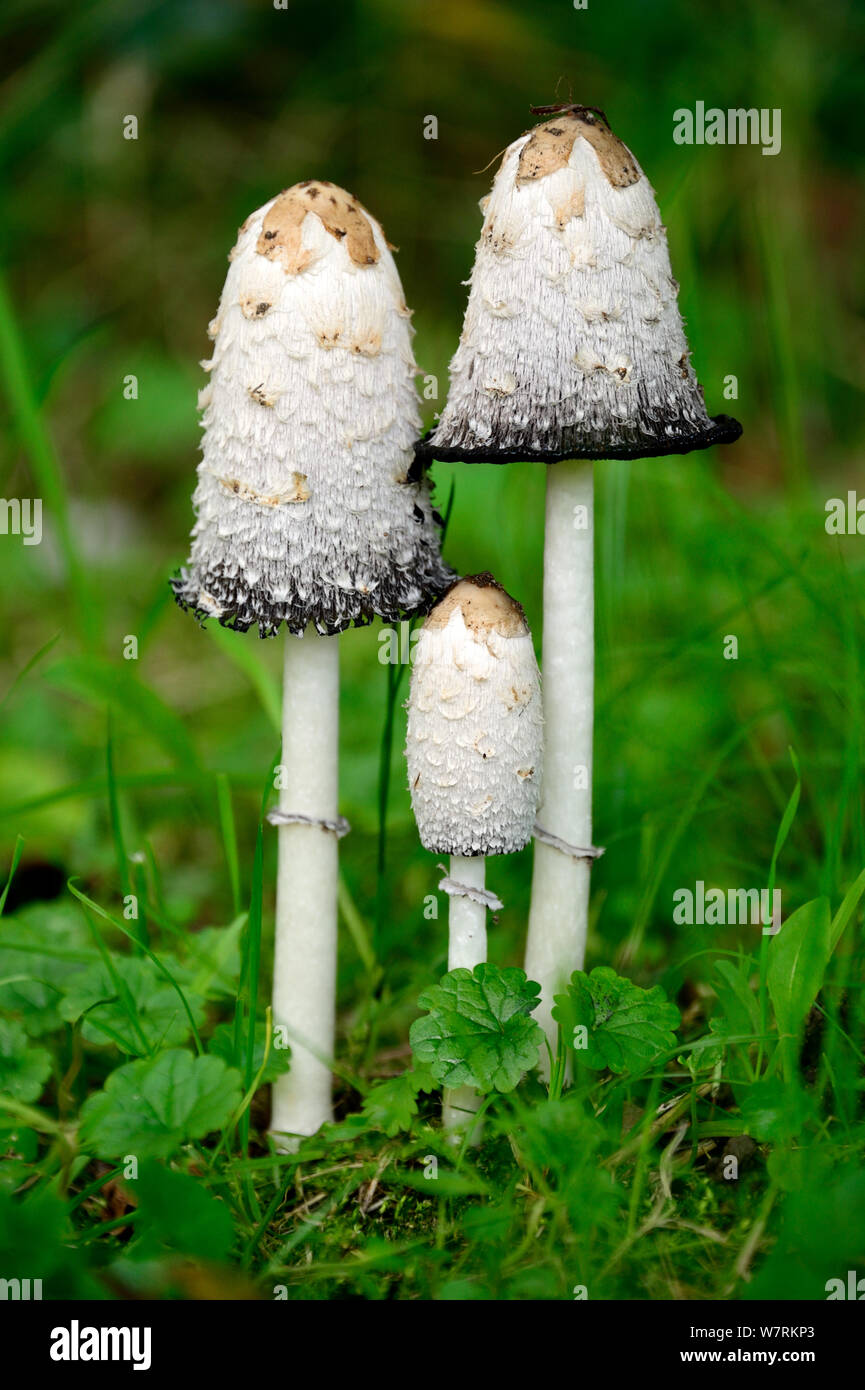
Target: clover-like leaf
x=478, y=1031
x=41, y=947
x=24, y=1069
x=391, y=1105
x=611, y=1022
x=150, y=1107
x=131, y=1006
x=705, y=1056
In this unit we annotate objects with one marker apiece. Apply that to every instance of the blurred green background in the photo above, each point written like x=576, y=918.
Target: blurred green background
x=115, y=252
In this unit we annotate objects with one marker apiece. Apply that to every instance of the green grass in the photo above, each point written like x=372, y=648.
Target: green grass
x=148, y=777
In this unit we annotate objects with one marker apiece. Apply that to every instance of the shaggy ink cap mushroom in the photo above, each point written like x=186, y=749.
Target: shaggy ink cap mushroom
x=572, y=345
x=305, y=511
x=475, y=730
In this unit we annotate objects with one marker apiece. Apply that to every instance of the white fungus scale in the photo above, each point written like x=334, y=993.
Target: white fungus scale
x=305, y=509
x=573, y=344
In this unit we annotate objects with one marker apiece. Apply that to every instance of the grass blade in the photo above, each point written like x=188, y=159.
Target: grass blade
x=842, y=916
x=229, y=838
x=28, y=667
x=45, y=467
x=114, y=815
x=242, y=654
x=780, y=840
x=16, y=860
x=163, y=969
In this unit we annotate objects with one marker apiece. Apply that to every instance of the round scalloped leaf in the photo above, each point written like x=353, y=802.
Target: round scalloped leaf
x=478, y=1031
x=611, y=1022
x=24, y=1069
x=151, y=1014
x=150, y=1107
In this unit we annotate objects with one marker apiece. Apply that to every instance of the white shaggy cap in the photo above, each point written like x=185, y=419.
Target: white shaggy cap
x=305, y=511
x=475, y=730
x=573, y=343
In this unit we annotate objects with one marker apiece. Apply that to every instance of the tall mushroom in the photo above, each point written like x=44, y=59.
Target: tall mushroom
x=474, y=747
x=572, y=348
x=306, y=517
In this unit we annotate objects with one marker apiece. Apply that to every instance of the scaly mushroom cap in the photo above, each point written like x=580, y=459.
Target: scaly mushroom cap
x=305, y=513
x=572, y=345
x=475, y=729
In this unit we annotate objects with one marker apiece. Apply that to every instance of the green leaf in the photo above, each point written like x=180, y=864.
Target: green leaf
x=819, y=1236
x=178, y=1213
x=847, y=908
x=703, y=1057
x=16, y=860
x=775, y=1111
x=222, y=1045
x=212, y=956
x=19, y=1147
x=559, y=1139
x=739, y=1014
x=392, y=1105
x=626, y=1027
x=91, y=909
x=24, y=1069
x=35, y=1244
x=478, y=1031
x=739, y=1004
x=793, y=1169
x=150, y=1107
x=798, y=956
x=41, y=946
x=786, y=823
x=162, y=1021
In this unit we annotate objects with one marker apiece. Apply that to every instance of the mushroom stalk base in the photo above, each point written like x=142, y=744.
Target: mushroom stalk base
x=558, y=917
x=304, y=977
x=467, y=947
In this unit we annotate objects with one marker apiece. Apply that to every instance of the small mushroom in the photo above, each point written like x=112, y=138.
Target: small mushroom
x=572, y=305
x=573, y=245
x=306, y=517
x=473, y=749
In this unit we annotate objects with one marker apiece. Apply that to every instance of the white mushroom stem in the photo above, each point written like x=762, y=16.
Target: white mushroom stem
x=304, y=980
x=559, y=913
x=467, y=918
x=467, y=947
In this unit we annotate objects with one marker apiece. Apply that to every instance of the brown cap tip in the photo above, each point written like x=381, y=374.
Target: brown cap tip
x=339, y=213
x=484, y=605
